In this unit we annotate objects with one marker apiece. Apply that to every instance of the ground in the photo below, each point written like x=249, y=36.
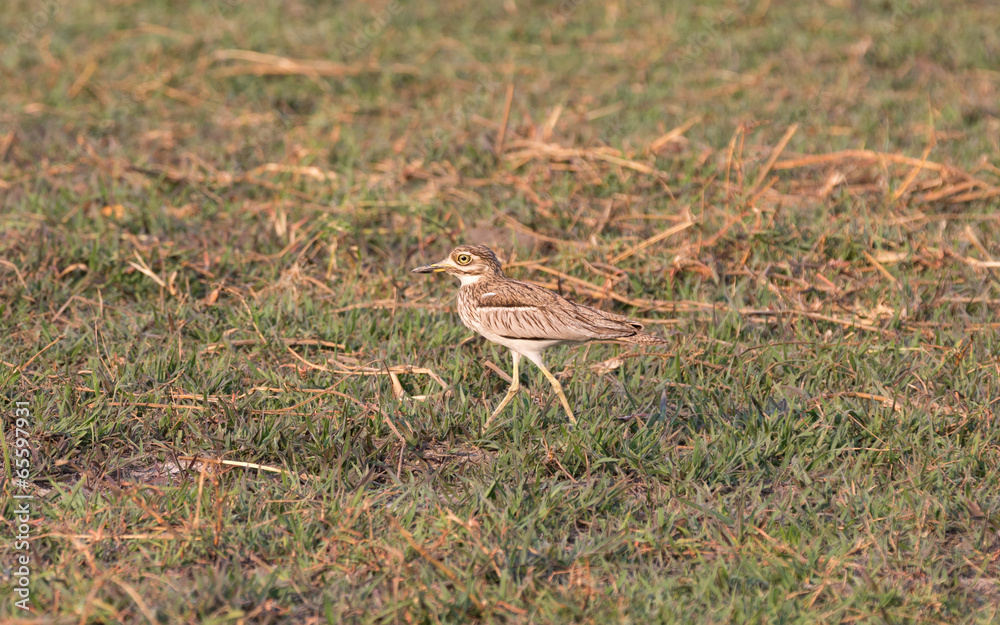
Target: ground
x=241, y=407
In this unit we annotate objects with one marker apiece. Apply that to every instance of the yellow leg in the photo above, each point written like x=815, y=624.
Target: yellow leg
x=514, y=388
x=558, y=388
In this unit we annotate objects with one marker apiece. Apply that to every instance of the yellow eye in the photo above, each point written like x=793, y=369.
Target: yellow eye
x=463, y=259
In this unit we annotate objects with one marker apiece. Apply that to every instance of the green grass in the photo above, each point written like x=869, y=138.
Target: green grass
x=199, y=260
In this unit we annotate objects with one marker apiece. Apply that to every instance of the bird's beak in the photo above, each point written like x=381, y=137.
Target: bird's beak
x=435, y=268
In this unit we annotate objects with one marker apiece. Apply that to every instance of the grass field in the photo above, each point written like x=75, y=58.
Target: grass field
x=243, y=408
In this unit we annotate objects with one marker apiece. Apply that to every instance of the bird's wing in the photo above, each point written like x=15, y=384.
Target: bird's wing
x=521, y=310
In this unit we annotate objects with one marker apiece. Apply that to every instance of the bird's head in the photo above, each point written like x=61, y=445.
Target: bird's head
x=468, y=263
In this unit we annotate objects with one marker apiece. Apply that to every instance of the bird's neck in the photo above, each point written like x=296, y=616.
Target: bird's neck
x=478, y=279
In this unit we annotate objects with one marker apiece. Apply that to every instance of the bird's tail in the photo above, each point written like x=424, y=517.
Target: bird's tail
x=644, y=338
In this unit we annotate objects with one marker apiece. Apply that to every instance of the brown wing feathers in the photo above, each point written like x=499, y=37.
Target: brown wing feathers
x=521, y=310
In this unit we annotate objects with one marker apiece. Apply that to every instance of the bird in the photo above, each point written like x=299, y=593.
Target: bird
x=526, y=318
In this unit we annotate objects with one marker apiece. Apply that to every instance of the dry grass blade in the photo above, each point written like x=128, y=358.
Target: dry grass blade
x=262, y=64
x=847, y=323
x=859, y=155
x=243, y=465
x=506, y=118
x=144, y=269
x=291, y=342
x=914, y=171
x=426, y=555
x=388, y=370
x=881, y=269
x=778, y=149
x=296, y=171
x=5, y=143
x=653, y=240
x=663, y=140
x=81, y=81
x=517, y=226
x=17, y=272
x=538, y=150
x=629, y=164
x=41, y=351
x=497, y=370
x=139, y=602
